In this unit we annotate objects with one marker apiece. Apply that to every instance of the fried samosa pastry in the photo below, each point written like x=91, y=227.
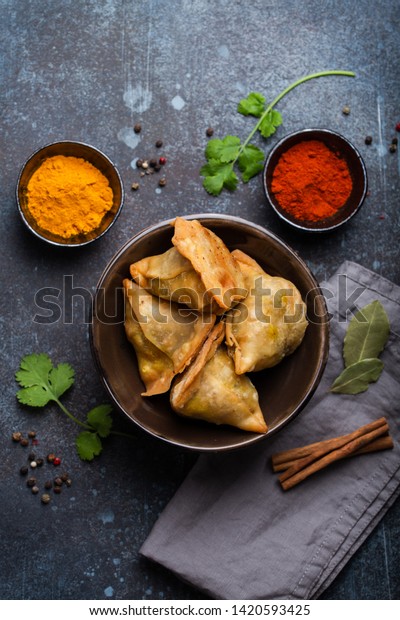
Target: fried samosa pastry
x=211, y=259
x=171, y=276
x=210, y=390
x=176, y=333
x=155, y=367
x=269, y=324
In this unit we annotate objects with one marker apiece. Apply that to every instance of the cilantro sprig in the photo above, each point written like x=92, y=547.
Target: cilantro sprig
x=224, y=155
x=42, y=383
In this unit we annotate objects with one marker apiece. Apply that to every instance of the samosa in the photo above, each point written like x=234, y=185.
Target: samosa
x=210, y=390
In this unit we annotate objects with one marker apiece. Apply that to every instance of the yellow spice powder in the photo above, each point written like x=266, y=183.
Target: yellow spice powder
x=68, y=196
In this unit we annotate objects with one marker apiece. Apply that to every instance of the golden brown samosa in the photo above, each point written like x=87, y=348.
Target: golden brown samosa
x=268, y=324
x=155, y=367
x=177, y=333
x=212, y=260
x=171, y=276
x=210, y=390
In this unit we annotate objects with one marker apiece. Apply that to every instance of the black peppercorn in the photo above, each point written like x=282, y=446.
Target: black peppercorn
x=395, y=141
x=153, y=163
x=64, y=477
x=393, y=148
x=48, y=484
x=32, y=434
x=39, y=462
x=368, y=140
x=24, y=442
x=31, y=456
x=31, y=482
x=139, y=163
x=58, y=482
x=209, y=132
x=159, y=144
x=137, y=128
x=57, y=490
x=24, y=470
x=162, y=182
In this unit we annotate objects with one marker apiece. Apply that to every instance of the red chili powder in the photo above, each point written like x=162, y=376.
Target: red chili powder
x=311, y=182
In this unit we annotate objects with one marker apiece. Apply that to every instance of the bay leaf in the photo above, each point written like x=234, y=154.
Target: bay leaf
x=356, y=377
x=367, y=334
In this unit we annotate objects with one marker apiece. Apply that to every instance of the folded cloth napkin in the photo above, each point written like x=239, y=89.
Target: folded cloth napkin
x=231, y=531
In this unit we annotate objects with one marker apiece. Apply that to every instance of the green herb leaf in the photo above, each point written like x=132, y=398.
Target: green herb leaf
x=34, y=396
x=250, y=162
x=231, y=149
x=367, y=334
x=100, y=419
x=253, y=105
x=42, y=382
x=224, y=151
x=88, y=445
x=218, y=176
x=356, y=378
x=269, y=123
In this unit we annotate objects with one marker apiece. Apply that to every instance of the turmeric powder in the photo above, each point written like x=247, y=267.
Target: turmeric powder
x=68, y=196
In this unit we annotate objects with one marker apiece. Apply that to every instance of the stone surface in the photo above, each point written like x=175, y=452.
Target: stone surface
x=90, y=71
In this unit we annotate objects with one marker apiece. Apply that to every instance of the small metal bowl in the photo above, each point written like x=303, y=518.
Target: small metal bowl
x=339, y=145
x=70, y=149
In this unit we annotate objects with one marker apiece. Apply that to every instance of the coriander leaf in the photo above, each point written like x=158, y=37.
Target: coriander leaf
x=42, y=382
x=367, y=333
x=225, y=150
x=218, y=176
x=269, y=123
x=61, y=378
x=88, y=445
x=250, y=162
x=34, y=369
x=356, y=378
x=253, y=105
x=34, y=396
x=100, y=419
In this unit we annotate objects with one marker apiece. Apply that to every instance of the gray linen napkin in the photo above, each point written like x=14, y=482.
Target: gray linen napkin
x=233, y=533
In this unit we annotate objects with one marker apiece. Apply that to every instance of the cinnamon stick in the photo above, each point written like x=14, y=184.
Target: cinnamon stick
x=382, y=443
x=309, y=465
x=297, y=453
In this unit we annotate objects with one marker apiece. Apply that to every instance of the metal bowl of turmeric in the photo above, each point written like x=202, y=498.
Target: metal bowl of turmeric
x=69, y=193
x=315, y=180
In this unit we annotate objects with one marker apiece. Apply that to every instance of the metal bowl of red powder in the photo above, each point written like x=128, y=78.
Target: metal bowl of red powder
x=315, y=180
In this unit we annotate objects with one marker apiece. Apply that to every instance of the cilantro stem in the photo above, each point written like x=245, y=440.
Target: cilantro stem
x=72, y=417
x=287, y=90
x=88, y=427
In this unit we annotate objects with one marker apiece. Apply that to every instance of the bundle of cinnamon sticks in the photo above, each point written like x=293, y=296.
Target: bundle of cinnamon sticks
x=298, y=464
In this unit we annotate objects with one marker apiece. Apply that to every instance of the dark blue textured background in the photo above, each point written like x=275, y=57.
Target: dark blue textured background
x=88, y=71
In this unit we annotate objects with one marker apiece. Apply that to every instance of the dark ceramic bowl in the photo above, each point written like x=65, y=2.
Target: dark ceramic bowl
x=283, y=390
x=339, y=145
x=93, y=156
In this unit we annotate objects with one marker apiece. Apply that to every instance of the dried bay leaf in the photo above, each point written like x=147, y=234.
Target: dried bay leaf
x=367, y=334
x=356, y=377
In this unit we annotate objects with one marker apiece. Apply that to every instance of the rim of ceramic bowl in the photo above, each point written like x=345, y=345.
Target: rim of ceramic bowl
x=308, y=134
x=36, y=154
x=210, y=218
